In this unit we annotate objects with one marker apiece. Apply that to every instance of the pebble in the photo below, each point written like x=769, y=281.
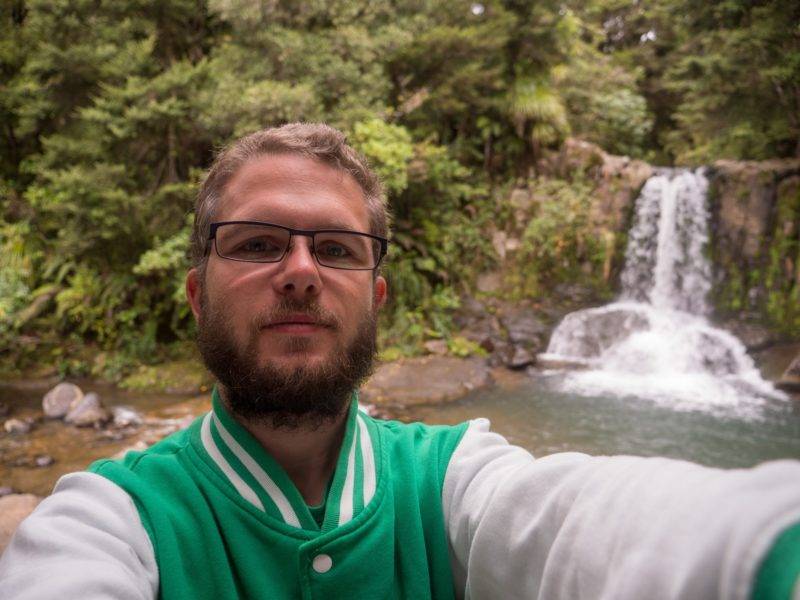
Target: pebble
x=45, y=460
x=17, y=426
x=124, y=416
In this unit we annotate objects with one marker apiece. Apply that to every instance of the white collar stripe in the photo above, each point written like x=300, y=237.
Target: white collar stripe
x=269, y=486
x=346, y=502
x=367, y=460
x=211, y=447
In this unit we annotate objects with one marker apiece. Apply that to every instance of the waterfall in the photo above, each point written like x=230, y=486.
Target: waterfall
x=656, y=342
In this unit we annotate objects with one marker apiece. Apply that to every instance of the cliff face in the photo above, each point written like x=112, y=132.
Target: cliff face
x=755, y=245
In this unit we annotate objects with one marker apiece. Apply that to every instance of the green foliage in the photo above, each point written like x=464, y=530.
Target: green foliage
x=721, y=78
x=112, y=110
x=560, y=242
x=388, y=149
x=16, y=274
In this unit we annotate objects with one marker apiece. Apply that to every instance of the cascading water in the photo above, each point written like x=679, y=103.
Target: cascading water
x=655, y=342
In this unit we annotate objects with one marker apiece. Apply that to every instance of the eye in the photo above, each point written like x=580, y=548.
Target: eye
x=256, y=245
x=334, y=250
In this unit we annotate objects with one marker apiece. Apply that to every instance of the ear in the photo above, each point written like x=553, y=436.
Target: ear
x=193, y=292
x=380, y=292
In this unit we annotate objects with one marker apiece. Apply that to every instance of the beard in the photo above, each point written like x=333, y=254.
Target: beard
x=305, y=397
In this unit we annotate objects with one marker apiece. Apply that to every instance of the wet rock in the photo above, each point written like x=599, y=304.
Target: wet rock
x=58, y=401
x=45, y=460
x=478, y=324
x=17, y=426
x=124, y=416
x=746, y=192
x=755, y=337
x=586, y=334
x=88, y=412
x=425, y=380
x=525, y=329
x=790, y=380
x=520, y=359
x=13, y=509
x=545, y=362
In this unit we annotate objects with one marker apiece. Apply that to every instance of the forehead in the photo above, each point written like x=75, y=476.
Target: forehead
x=295, y=191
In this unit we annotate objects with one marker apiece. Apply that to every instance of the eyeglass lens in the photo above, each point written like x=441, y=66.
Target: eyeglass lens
x=267, y=243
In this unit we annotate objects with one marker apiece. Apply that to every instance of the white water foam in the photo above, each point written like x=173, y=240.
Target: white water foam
x=656, y=342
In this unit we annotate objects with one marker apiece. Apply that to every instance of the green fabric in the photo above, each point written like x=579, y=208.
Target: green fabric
x=779, y=574
x=211, y=542
x=318, y=512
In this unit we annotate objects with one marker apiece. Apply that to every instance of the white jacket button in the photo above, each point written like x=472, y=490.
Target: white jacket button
x=322, y=563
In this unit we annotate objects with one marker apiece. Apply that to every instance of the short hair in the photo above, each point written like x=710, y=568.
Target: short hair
x=316, y=141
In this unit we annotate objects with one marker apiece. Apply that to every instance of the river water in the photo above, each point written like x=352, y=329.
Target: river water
x=536, y=415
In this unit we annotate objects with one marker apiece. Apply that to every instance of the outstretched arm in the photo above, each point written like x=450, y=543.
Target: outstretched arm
x=571, y=526
x=84, y=541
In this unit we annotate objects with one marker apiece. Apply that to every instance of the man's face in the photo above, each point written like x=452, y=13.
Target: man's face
x=292, y=320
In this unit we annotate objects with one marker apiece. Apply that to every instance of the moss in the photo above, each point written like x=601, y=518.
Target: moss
x=181, y=376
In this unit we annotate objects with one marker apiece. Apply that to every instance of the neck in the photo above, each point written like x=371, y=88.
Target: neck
x=307, y=455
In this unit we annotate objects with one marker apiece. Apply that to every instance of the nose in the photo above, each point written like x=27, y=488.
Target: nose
x=299, y=272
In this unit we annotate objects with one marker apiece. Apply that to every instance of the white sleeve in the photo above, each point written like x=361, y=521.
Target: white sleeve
x=570, y=526
x=86, y=541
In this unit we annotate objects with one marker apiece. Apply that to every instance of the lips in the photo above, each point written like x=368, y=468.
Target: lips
x=299, y=323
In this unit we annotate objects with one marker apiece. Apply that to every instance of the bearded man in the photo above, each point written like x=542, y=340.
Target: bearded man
x=286, y=490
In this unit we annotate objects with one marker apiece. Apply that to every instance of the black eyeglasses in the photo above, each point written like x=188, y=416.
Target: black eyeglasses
x=254, y=241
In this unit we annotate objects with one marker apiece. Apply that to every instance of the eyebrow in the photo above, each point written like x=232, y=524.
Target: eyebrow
x=335, y=224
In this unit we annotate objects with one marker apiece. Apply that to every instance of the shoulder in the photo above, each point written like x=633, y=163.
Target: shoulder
x=423, y=438
x=162, y=459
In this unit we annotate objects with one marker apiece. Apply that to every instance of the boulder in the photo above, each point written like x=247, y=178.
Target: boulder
x=14, y=508
x=425, y=380
x=790, y=380
x=477, y=323
x=520, y=359
x=525, y=329
x=87, y=412
x=586, y=334
x=755, y=337
x=124, y=416
x=58, y=401
x=17, y=426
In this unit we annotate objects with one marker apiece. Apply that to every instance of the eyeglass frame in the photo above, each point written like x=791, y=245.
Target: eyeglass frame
x=212, y=235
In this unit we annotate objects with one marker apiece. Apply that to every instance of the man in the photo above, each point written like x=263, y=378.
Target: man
x=286, y=490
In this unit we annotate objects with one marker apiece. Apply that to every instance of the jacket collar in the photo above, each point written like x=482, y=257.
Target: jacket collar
x=258, y=479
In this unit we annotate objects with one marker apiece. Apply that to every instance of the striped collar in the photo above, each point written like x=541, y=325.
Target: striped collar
x=261, y=481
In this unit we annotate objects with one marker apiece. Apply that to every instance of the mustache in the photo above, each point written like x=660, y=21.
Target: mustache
x=289, y=307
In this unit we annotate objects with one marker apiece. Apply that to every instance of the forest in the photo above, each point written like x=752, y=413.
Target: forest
x=111, y=111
